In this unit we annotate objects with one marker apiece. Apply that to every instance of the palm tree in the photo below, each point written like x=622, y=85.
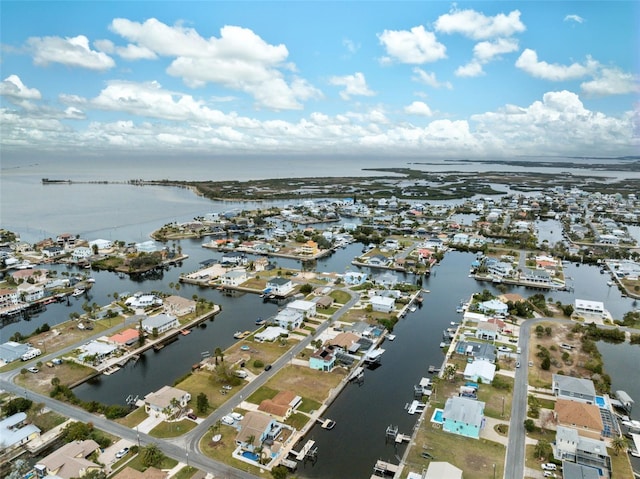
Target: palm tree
x=218, y=354
x=618, y=444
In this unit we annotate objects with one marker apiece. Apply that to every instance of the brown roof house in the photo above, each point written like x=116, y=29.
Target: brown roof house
x=585, y=418
x=149, y=473
x=282, y=404
x=166, y=402
x=69, y=461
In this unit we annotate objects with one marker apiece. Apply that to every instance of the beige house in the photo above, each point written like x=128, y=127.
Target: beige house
x=166, y=402
x=69, y=461
x=179, y=306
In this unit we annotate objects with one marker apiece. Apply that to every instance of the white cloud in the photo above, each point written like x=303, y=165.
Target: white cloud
x=355, y=85
x=418, y=108
x=238, y=59
x=471, y=69
x=13, y=87
x=416, y=46
x=350, y=45
x=528, y=61
x=478, y=26
x=73, y=52
x=611, y=81
x=574, y=18
x=488, y=50
x=429, y=78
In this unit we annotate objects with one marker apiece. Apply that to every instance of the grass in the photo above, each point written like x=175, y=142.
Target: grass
x=185, y=473
x=222, y=450
x=46, y=421
x=309, y=405
x=68, y=373
x=620, y=464
x=340, y=297
x=297, y=420
x=136, y=463
x=134, y=418
x=172, y=429
x=261, y=394
x=306, y=382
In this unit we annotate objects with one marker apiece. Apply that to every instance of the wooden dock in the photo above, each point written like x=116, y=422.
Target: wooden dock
x=305, y=449
x=382, y=469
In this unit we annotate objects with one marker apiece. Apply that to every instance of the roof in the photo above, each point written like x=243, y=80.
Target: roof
x=575, y=385
x=571, y=470
x=442, y=470
x=579, y=414
x=278, y=281
x=69, y=460
x=158, y=321
x=344, y=340
x=149, y=473
x=162, y=398
x=253, y=424
x=123, y=337
x=460, y=409
x=10, y=434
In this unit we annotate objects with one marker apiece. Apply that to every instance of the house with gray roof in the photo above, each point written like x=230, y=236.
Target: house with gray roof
x=14, y=432
x=571, y=470
x=161, y=322
x=12, y=351
x=477, y=350
x=570, y=446
x=69, y=460
x=574, y=389
x=463, y=416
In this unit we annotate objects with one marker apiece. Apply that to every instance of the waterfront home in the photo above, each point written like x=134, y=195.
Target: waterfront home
x=438, y=470
x=81, y=252
x=480, y=370
x=279, y=286
x=179, y=306
x=146, y=247
x=477, y=350
x=536, y=277
x=386, y=280
x=66, y=241
x=487, y=331
x=270, y=333
x=101, y=244
x=463, y=416
x=234, y=277
x=96, y=351
x=493, y=306
x=584, y=418
x=587, y=308
x=8, y=297
x=149, y=473
x=128, y=337
x=234, y=258
x=382, y=304
x=281, y=405
x=12, y=351
x=289, y=319
x=255, y=428
x=353, y=278
x=52, y=251
x=161, y=323
x=499, y=268
x=569, y=446
x=142, y=300
x=30, y=292
x=573, y=389
x=307, y=308
x=571, y=470
x=166, y=402
x=323, y=359
x=310, y=248
x=69, y=460
x=378, y=261
x=15, y=432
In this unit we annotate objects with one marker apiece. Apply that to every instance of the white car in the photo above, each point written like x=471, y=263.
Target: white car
x=504, y=349
x=549, y=474
x=33, y=369
x=236, y=416
x=228, y=420
x=549, y=466
x=122, y=452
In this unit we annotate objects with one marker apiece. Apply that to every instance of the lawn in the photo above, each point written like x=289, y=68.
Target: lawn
x=68, y=373
x=172, y=429
x=476, y=457
x=134, y=418
x=306, y=382
x=203, y=381
x=222, y=450
x=185, y=473
x=340, y=297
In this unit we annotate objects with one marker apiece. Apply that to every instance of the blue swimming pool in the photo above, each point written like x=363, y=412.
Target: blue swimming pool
x=250, y=455
x=437, y=416
x=600, y=401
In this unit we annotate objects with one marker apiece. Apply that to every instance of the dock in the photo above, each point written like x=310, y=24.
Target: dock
x=307, y=448
x=433, y=369
x=184, y=332
x=357, y=373
x=416, y=407
x=382, y=469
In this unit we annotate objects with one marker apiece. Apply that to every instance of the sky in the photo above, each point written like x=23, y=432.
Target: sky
x=417, y=79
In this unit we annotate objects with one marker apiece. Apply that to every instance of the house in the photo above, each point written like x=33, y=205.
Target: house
x=479, y=351
x=570, y=446
x=30, y=292
x=166, y=402
x=52, y=251
x=8, y=297
x=14, y=432
x=382, y=304
x=146, y=247
x=487, y=331
x=96, y=351
x=101, y=244
x=81, y=252
x=69, y=460
x=571, y=470
x=66, y=241
x=149, y=473
x=323, y=302
x=442, y=470
x=583, y=307
x=378, y=261
x=493, y=306
x=307, y=308
x=234, y=257
x=499, y=268
x=574, y=389
x=310, y=248
x=386, y=280
x=535, y=276
x=463, y=416
x=142, y=300
x=322, y=359
x=161, y=323
x=255, y=428
x=12, y=351
x=279, y=286
x=270, y=333
x=289, y=319
x=281, y=405
x=179, y=306
x=128, y=337
x=354, y=278
x=480, y=371
x=583, y=417
x=234, y=277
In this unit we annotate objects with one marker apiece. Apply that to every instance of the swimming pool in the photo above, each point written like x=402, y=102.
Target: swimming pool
x=600, y=401
x=437, y=416
x=250, y=455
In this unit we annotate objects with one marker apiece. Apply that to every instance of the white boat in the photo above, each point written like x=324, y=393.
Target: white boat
x=77, y=292
x=391, y=337
x=413, y=309
x=610, y=283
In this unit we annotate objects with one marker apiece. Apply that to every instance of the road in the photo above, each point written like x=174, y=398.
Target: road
x=184, y=448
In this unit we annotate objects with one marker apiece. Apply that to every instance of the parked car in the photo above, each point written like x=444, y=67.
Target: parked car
x=549, y=474
x=122, y=452
x=228, y=420
x=236, y=416
x=549, y=466
x=192, y=416
x=267, y=367
x=33, y=369
x=518, y=364
x=504, y=349
x=227, y=387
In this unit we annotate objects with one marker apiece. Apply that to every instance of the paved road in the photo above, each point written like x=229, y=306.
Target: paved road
x=184, y=448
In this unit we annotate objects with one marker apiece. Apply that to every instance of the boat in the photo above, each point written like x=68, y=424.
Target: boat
x=413, y=309
x=77, y=292
x=610, y=283
x=260, y=321
x=216, y=438
x=328, y=424
x=237, y=335
x=184, y=332
x=91, y=280
x=391, y=337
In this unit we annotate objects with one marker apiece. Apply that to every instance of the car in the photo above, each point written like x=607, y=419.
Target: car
x=33, y=369
x=504, y=349
x=226, y=387
x=549, y=474
x=548, y=466
x=56, y=361
x=530, y=363
x=236, y=416
x=192, y=416
x=228, y=420
x=267, y=367
x=122, y=452
x=518, y=364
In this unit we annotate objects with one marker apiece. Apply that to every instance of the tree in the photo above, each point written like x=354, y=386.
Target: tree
x=546, y=363
x=543, y=450
x=306, y=288
x=19, y=468
x=202, y=403
x=77, y=431
x=218, y=354
x=140, y=334
x=529, y=425
x=17, y=405
x=279, y=472
x=618, y=444
x=151, y=455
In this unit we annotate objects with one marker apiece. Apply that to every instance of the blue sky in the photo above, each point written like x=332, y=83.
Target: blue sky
x=417, y=79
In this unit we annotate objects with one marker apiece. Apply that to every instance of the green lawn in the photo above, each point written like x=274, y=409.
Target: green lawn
x=172, y=429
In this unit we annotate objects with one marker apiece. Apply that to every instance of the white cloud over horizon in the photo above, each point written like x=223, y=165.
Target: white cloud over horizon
x=73, y=52
x=415, y=46
x=477, y=26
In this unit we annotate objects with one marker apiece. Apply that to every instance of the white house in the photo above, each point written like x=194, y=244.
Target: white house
x=146, y=247
x=270, y=333
x=382, y=304
x=589, y=308
x=234, y=277
x=8, y=297
x=289, y=318
x=161, y=322
x=494, y=305
x=279, y=286
x=480, y=370
x=15, y=431
x=81, y=252
x=166, y=401
x=234, y=257
x=142, y=300
x=307, y=308
x=101, y=244
x=31, y=292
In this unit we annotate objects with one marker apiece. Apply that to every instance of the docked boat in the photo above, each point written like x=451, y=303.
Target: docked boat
x=391, y=337
x=413, y=309
x=237, y=335
x=260, y=321
x=77, y=292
